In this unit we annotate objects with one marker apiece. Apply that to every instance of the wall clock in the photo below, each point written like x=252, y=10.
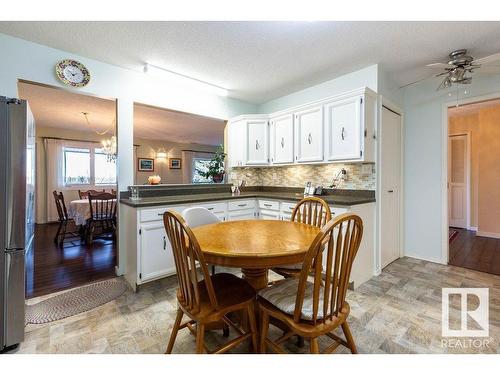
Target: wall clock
x=72, y=73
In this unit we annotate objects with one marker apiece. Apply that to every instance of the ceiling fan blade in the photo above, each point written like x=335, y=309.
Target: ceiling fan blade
x=440, y=74
x=488, y=59
x=417, y=81
x=439, y=66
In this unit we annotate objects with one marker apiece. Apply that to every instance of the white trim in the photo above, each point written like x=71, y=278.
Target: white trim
x=444, y=166
x=384, y=102
x=468, y=157
x=488, y=234
x=473, y=229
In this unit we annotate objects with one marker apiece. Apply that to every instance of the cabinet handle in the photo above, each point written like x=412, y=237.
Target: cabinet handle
x=342, y=133
x=164, y=243
x=309, y=138
x=242, y=205
x=256, y=144
x=390, y=191
x=161, y=214
x=267, y=205
x=210, y=208
x=282, y=142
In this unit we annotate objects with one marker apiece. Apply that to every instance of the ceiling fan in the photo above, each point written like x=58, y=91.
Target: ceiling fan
x=460, y=65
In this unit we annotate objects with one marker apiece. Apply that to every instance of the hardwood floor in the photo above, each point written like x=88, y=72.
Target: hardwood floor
x=50, y=268
x=474, y=252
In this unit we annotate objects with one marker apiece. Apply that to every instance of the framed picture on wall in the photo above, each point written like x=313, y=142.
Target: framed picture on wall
x=145, y=164
x=174, y=163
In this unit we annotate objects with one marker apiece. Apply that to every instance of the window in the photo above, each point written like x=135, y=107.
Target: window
x=200, y=165
x=87, y=166
x=76, y=166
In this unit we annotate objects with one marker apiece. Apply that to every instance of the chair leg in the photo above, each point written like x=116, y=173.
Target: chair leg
x=213, y=270
x=349, y=338
x=200, y=337
x=56, y=238
x=225, y=331
x=63, y=234
x=300, y=341
x=253, y=327
x=264, y=324
x=175, y=329
x=314, y=345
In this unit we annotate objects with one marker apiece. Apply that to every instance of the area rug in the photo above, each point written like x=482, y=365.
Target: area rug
x=75, y=301
x=452, y=234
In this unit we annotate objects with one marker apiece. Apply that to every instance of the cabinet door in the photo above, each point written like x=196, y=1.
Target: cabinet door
x=309, y=134
x=236, y=142
x=257, y=142
x=156, y=257
x=344, y=129
x=248, y=214
x=282, y=139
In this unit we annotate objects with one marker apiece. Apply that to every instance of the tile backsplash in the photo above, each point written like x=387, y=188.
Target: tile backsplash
x=299, y=175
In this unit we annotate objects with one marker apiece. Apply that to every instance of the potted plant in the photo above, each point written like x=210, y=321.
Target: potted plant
x=215, y=168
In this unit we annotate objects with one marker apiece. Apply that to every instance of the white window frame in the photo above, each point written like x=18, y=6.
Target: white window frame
x=92, y=147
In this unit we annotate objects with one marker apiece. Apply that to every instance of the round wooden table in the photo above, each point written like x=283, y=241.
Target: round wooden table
x=255, y=245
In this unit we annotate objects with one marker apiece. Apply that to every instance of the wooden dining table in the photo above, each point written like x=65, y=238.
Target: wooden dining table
x=255, y=245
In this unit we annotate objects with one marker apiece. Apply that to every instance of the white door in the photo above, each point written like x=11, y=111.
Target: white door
x=282, y=139
x=257, y=142
x=343, y=124
x=390, y=175
x=457, y=180
x=156, y=256
x=309, y=134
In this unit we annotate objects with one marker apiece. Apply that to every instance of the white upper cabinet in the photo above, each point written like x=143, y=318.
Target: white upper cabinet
x=309, y=134
x=236, y=143
x=334, y=129
x=282, y=146
x=257, y=142
x=344, y=129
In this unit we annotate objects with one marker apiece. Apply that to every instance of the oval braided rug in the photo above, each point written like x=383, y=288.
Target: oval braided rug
x=75, y=301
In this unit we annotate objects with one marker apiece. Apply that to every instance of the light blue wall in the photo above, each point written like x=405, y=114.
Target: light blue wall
x=423, y=162
x=20, y=59
x=366, y=77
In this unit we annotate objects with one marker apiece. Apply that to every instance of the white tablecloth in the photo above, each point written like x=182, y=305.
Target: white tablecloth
x=79, y=210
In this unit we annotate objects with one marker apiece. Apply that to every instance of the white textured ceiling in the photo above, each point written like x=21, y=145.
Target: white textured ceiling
x=259, y=61
x=57, y=108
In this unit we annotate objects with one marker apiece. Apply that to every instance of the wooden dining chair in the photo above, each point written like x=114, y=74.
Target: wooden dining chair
x=84, y=194
x=64, y=220
x=102, y=214
x=209, y=300
x=310, y=210
x=315, y=308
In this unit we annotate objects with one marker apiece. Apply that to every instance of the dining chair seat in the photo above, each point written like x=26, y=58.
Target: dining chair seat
x=229, y=290
x=283, y=294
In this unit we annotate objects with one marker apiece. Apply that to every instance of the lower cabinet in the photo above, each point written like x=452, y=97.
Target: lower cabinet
x=155, y=253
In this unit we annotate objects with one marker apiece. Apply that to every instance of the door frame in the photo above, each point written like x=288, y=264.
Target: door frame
x=467, y=135
x=384, y=102
x=445, y=248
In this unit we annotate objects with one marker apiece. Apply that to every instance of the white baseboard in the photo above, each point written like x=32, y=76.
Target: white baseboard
x=488, y=234
x=473, y=229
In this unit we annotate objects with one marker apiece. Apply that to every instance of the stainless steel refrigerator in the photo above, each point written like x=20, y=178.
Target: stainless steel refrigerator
x=17, y=195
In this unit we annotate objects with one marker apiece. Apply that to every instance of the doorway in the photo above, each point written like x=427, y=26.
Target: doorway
x=390, y=186
x=75, y=150
x=473, y=156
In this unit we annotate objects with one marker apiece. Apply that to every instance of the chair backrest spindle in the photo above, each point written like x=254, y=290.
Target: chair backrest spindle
x=339, y=241
x=313, y=211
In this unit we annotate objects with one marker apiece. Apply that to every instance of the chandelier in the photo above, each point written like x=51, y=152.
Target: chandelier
x=108, y=145
x=109, y=148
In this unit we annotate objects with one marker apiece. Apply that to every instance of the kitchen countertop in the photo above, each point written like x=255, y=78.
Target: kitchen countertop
x=332, y=199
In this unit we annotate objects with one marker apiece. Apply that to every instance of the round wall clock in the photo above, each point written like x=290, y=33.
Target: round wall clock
x=72, y=73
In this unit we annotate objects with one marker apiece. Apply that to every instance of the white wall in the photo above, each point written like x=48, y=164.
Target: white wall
x=423, y=108
x=34, y=62
x=366, y=77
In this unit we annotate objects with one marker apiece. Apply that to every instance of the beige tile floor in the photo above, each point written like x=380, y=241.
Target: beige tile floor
x=398, y=311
